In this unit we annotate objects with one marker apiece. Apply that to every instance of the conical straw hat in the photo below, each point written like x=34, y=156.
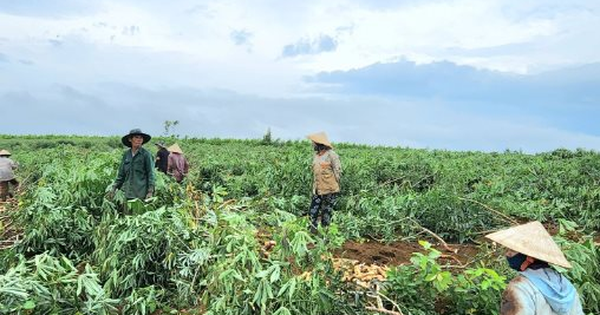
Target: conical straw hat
x=175, y=149
x=533, y=240
x=321, y=138
x=4, y=152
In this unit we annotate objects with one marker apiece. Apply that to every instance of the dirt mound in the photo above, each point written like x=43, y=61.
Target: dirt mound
x=399, y=253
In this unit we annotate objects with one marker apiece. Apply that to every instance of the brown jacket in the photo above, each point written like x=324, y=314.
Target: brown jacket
x=327, y=171
x=178, y=166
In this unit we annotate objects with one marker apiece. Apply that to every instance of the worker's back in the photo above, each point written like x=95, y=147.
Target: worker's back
x=522, y=296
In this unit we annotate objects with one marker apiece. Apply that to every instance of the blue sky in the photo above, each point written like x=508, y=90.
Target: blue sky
x=441, y=74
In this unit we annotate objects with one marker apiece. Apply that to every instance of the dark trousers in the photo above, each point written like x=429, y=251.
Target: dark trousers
x=321, y=205
x=4, y=188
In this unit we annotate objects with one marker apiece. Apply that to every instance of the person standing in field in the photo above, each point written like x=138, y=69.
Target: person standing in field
x=136, y=171
x=162, y=157
x=178, y=166
x=539, y=289
x=7, y=175
x=327, y=171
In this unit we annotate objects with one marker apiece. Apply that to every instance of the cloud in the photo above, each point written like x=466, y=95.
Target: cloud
x=201, y=10
x=26, y=62
x=566, y=98
x=49, y=9
x=130, y=30
x=3, y=58
x=449, y=81
x=240, y=37
x=114, y=108
x=471, y=32
x=305, y=46
x=55, y=42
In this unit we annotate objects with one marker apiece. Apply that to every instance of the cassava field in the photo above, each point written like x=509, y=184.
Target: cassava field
x=407, y=233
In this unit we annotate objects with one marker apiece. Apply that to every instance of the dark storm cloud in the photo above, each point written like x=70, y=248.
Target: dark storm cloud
x=448, y=80
x=568, y=97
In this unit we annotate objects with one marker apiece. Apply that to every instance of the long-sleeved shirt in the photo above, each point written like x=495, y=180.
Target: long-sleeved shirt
x=162, y=160
x=327, y=171
x=557, y=296
x=178, y=166
x=7, y=167
x=136, y=174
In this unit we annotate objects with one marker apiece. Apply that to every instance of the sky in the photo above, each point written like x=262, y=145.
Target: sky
x=488, y=75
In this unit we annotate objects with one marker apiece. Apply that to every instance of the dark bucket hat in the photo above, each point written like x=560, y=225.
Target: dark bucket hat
x=135, y=132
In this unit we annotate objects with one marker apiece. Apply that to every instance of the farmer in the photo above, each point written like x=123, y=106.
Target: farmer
x=7, y=175
x=178, y=166
x=538, y=289
x=326, y=180
x=136, y=172
x=162, y=157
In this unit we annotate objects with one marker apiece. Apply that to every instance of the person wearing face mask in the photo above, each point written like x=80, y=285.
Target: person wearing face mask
x=539, y=289
x=327, y=171
x=136, y=172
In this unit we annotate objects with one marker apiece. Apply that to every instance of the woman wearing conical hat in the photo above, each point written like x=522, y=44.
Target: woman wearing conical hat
x=136, y=172
x=539, y=289
x=7, y=174
x=327, y=171
x=178, y=166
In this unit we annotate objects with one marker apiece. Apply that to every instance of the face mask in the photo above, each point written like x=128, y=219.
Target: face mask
x=516, y=261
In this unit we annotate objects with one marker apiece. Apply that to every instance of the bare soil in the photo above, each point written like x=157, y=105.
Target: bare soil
x=399, y=253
